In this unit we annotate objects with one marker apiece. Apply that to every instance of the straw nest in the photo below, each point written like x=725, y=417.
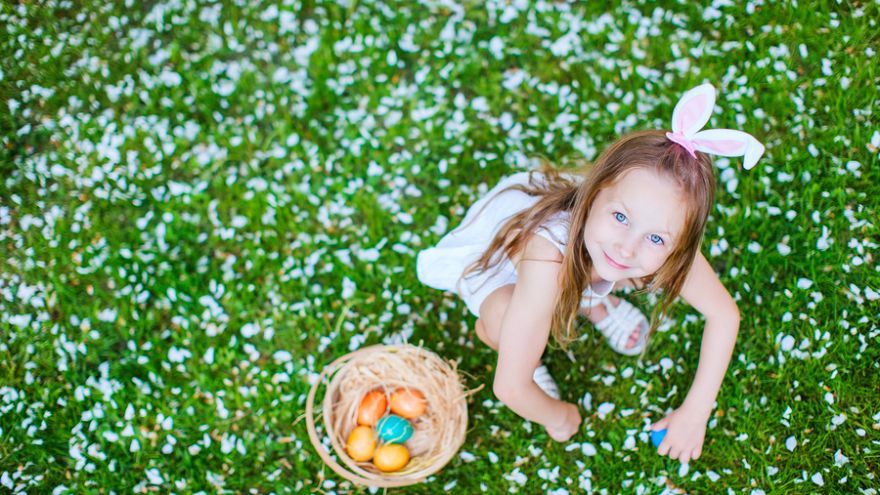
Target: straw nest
x=438, y=433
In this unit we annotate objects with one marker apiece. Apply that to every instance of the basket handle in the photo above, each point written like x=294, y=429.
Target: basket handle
x=319, y=447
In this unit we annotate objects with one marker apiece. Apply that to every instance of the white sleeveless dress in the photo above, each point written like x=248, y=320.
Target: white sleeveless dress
x=442, y=266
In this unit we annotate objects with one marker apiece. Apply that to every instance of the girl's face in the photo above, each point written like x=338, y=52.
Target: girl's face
x=634, y=224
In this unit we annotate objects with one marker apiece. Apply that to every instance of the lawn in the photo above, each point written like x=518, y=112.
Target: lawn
x=201, y=206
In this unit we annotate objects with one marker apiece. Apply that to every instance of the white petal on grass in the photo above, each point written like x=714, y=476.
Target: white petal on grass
x=804, y=283
x=154, y=476
x=787, y=343
x=176, y=355
x=348, y=288
x=817, y=479
x=513, y=78
x=587, y=401
x=840, y=459
x=374, y=169
x=108, y=315
x=282, y=356
x=170, y=78
x=790, y=443
x=516, y=476
x=467, y=456
x=875, y=139
x=588, y=449
x=368, y=255
x=249, y=330
x=496, y=47
x=824, y=242
x=605, y=409
x=20, y=321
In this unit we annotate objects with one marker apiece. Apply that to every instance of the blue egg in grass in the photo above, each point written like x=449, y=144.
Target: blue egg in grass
x=657, y=436
x=394, y=429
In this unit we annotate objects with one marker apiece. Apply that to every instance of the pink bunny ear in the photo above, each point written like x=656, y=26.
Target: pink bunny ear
x=727, y=142
x=693, y=110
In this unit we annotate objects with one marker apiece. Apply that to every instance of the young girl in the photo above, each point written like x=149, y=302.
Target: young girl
x=540, y=248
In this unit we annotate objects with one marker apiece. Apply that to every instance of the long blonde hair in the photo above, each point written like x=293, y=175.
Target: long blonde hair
x=557, y=192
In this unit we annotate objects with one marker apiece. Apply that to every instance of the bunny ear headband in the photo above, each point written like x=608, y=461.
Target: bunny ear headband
x=690, y=115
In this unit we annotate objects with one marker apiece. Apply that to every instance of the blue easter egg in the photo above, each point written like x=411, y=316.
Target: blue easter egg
x=394, y=429
x=657, y=436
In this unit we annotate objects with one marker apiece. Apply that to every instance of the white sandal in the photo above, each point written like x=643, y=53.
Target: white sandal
x=618, y=325
x=545, y=382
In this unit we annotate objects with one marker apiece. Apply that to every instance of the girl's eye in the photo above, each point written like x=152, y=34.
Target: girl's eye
x=656, y=239
x=620, y=217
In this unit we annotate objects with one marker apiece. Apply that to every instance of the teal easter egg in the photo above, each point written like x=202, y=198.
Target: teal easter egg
x=394, y=429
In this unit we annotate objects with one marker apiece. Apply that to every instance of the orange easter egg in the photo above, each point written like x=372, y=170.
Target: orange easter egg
x=372, y=408
x=361, y=444
x=391, y=457
x=408, y=403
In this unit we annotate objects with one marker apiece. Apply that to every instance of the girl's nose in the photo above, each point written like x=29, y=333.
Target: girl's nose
x=627, y=247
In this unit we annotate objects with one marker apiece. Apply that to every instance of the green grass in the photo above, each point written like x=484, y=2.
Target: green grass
x=176, y=175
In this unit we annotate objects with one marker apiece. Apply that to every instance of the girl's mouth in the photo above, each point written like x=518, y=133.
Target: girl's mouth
x=613, y=263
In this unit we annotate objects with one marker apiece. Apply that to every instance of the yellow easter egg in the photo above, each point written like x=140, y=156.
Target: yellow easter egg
x=408, y=403
x=391, y=457
x=361, y=444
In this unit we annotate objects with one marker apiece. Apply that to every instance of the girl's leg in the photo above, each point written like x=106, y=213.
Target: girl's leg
x=481, y=333
x=488, y=329
x=488, y=326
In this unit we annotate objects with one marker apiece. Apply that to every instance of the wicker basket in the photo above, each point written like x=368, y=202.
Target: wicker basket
x=439, y=433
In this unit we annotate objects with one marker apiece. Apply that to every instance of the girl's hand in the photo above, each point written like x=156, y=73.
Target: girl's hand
x=685, y=432
x=569, y=426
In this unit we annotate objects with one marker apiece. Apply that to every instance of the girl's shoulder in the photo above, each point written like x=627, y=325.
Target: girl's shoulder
x=538, y=248
x=555, y=229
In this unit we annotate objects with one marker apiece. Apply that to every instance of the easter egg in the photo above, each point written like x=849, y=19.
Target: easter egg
x=657, y=437
x=372, y=408
x=361, y=444
x=408, y=403
x=394, y=429
x=391, y=457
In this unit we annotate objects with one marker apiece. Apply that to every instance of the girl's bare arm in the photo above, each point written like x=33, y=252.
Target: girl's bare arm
x=704, y=291
x=525, y=328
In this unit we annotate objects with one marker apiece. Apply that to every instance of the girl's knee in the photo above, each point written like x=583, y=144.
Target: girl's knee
x=480, y=329
x=481, y=333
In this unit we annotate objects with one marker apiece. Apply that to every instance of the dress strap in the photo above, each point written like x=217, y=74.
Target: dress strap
x=538, y=259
